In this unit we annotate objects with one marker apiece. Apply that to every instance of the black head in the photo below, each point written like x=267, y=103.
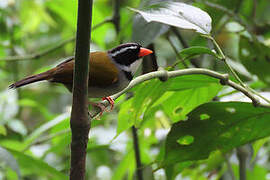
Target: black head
x=125, y=54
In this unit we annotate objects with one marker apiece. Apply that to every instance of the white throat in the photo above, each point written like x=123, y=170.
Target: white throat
x=134, y=66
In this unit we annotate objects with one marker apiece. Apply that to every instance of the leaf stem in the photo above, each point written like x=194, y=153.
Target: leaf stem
x=176, y=53
x=223, y=58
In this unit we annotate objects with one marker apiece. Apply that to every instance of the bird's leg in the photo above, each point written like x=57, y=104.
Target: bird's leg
x=101, y=106
x=110, y=100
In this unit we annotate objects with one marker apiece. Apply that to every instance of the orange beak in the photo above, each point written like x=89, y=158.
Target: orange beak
x=144, y=52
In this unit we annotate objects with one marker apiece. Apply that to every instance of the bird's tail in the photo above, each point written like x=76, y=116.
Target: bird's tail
x=34, y=78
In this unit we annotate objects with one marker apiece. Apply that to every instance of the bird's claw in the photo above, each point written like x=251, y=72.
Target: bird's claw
x=110, y=100
x=102, y=107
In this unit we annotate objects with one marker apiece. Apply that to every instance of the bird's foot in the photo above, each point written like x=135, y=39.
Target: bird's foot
x=101, y=106
x=110, y=100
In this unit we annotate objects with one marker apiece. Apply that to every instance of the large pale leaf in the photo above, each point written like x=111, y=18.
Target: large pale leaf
x=178, y=14
x=215, y=126
x=144, y=32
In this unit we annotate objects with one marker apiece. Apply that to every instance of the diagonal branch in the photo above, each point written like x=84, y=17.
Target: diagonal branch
x=224, y=80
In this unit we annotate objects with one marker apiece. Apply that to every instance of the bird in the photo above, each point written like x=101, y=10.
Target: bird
x=109, y=71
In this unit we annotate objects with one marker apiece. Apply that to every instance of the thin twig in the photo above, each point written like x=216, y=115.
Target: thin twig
x=49, y=50
x=179, y=61
x=193, y=61
x=223, y=58
x=177, y=53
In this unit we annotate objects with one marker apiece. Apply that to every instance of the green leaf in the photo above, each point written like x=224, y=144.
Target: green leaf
x=191, y=91
x=197, y=50
x=105, y=34
x=28, y=102
x=178, y=14
x=230, y=124
x=30, y=165
x=124, y=117
x=126, y=165
x=255, y=57
x=12, y=144
x=257, y=146
x=3, y=130
x=185, y=140
x=132, y=111
x=191, y=82
x=9, y=160
x=17, y=126
x=146, y=95
x=67, y=10
x=37, y=13
x=33, y=104
x=45, y=127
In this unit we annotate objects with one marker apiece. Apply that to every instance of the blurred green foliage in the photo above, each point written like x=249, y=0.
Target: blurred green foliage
x=182, y=134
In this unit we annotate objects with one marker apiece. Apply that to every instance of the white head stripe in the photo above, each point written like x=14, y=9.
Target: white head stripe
x=123, y=49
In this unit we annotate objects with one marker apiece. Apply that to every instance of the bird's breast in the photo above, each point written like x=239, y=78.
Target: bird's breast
x=104, y=91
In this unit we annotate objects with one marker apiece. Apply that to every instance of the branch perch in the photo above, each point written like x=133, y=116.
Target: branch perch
x=224, y=80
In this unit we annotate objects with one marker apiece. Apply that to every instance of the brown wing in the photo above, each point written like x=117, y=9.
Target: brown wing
x=64, y=72
x=102, y=71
